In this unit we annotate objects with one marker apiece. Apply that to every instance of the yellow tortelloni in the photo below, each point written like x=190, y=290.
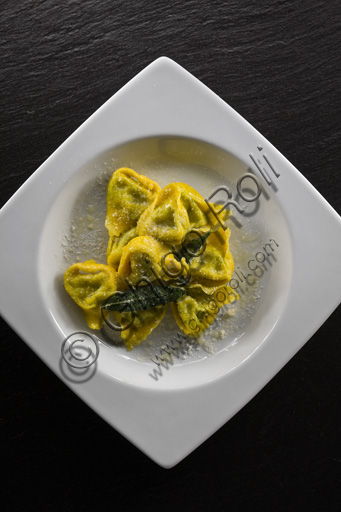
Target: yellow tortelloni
x=196, y=310
x=144, y=223
x=90, y=284
x=176, y=210
x=128, y=195
x=207, y=293
x=215, y=266
x=140, y=265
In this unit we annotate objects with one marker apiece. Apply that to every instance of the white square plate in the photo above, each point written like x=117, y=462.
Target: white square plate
x=167, y=124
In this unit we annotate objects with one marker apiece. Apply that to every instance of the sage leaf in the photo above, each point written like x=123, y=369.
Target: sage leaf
x=143, y=297
x=191, y=249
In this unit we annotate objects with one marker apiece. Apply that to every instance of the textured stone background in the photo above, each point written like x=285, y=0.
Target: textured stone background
x=278, y=64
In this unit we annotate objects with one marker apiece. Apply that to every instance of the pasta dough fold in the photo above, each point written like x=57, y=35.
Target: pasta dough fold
x=90, y=284
x=128, y=195
x=175, y=210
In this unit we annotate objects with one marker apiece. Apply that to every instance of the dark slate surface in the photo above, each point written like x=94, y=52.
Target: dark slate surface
x=278, y=64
